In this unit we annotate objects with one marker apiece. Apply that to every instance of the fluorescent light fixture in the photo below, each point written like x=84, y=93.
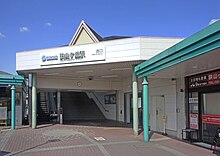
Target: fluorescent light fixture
x=52, y=74
x=119, y=69
x=109, y=76
x=84, y=71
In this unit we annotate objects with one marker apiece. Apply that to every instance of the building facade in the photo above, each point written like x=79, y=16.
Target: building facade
x=185, y=79
x=89, y=79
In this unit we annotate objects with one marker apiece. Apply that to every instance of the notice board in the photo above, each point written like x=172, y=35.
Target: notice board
x=3, y=113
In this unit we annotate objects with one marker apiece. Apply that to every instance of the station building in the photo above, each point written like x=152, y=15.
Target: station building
x=91, y=78
x=162, y=84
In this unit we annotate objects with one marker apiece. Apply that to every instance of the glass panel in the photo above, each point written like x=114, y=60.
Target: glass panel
x=211, y=106
x=193, y=110
x=211, y=103
x=5, y=102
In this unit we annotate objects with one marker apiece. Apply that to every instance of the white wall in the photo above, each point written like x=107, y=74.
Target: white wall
x=180, y=102
x=130, y=49
x=18, y=115
x=128, y=105
x=120, y=106
x=71, y=84
x=151, y=46
x=167, y=88
x=111, y=108
x=116, y=51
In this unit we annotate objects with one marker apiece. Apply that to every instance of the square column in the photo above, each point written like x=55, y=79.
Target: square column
x=135, y=102
x=34, y=101
x=145, y=109
x=58, y=106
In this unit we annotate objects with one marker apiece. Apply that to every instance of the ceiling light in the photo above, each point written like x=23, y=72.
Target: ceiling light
x=119, y=69
x=84, y=71
x=109, y=76
x=51, y=74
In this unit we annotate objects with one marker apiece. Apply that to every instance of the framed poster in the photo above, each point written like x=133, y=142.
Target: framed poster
x=193, y=118
x=110, y=99
x=3, y=113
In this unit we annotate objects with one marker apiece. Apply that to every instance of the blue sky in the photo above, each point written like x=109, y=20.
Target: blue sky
x=37, y=24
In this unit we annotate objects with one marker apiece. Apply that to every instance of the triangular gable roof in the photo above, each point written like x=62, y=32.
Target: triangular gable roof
x=83, y=27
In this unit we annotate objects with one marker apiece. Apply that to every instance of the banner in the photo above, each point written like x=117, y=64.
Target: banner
x=211, y=119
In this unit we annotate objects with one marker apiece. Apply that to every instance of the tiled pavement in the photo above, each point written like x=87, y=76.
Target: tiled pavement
x=76, y=140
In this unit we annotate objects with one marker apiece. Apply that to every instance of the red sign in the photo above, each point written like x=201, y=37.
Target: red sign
x=211, y=119
x=203, y=80
x=193, y=118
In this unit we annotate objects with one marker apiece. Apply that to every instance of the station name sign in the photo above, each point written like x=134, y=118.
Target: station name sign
x=68, y=55
x=204, y=80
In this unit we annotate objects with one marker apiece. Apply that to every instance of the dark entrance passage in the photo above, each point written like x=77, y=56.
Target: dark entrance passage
x=46, y=107
x=78, y=107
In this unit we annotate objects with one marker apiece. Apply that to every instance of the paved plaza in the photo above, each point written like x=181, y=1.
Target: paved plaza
x=79, y=140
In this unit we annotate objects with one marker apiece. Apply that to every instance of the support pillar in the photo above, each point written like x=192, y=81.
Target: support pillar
x=13, y=101
x=34, y=101
x=145, y=109
x=30, y=99
x=58, y=106
x=135, y=103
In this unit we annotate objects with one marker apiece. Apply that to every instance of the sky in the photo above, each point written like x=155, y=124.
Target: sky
x=36, y=24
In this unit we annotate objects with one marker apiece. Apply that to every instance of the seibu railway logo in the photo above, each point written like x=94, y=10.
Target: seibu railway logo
x=45, y=58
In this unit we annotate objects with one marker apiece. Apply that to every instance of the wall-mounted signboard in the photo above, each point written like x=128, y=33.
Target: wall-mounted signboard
x=204, y=80
x=72, y=55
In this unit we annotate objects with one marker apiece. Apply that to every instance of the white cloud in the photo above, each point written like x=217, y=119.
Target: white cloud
x=213, y=21
x=2, y=36
x=48, y=24
x=24, y=29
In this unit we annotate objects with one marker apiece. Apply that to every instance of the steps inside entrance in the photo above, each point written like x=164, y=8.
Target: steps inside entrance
x=78, y=106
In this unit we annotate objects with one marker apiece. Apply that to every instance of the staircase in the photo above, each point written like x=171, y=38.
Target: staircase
x=43, y=115
x=78, y=106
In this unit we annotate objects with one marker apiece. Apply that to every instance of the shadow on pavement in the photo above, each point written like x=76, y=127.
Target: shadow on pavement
x=98, y=123
x=3, y=153
x=25, y=150
x=44, y=125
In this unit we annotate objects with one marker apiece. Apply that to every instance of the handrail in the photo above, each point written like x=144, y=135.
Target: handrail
x=99, y=102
